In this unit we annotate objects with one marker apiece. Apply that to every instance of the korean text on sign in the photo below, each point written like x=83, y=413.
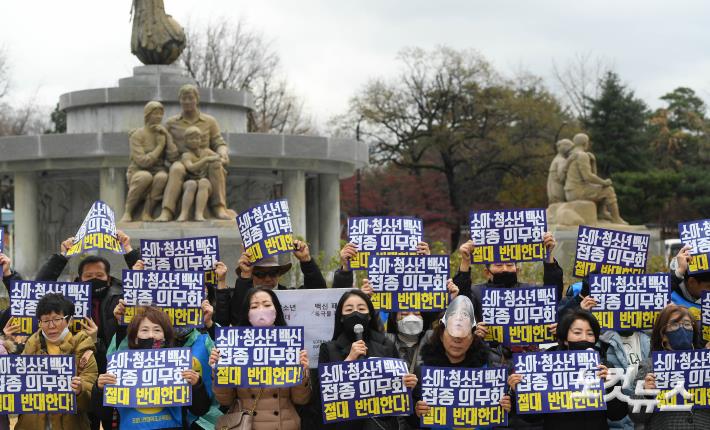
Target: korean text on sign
x=24, y=296
x=629, y=302
x=98, y=231
x=610, y=252
x=2, y=239
x=696, y=234
x=34, y=384
x=519, y=316
x=149, y=378
x=502, y=236
x=352, y=390
x=179, y=294
x=315, y=311
x=259, y=356
x=688, y=368
x=409, y=283
x=266, y=229
x=558, y=381
x=189, y=254
x=705, y=314
x=383, y=236
x=461, y=397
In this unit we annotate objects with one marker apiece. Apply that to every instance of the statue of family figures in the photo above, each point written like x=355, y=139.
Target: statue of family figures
x=151, y=158
x=572, y=177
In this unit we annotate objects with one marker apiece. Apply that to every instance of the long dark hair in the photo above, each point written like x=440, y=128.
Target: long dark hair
x=434, y=353
x=569, y=318
x=664, y=317
x=373, y=325
x=244, y=321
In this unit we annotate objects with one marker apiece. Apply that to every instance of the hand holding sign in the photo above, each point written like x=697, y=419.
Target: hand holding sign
x=5, y=261
x=348, y=252
x=301, y=251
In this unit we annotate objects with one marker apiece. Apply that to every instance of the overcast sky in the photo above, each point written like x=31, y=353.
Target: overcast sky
x=330, y=48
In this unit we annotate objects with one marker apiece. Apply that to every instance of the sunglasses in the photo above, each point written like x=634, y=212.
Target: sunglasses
x=267, y=274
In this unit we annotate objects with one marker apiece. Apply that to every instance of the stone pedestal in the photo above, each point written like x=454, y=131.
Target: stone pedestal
x=329, y=214
x=294, y=188
x=26, y=225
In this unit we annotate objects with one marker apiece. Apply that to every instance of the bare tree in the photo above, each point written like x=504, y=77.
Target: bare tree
x=4, y=73
x=579, y=80
x=230, y=55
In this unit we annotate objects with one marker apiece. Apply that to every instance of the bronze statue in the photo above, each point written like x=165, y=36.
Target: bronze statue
x=197, y=187
x=147, y=174
x=558, y=170
x=156, y=37
x=212, y=139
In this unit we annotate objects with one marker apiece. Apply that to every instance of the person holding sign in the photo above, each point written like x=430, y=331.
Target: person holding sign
x=275, y=407
x=357, y=334
x=675, y=330
x=54, y=313
x=151, y=329
x=578, y=330
x=687, y=288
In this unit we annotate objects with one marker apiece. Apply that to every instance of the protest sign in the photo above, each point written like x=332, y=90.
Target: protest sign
x=409, y=283
x=461, y=397
x=266, y=229
x=352, y=390
x=190, y=254
x=519, y=316
x=629, y=302
x=705, y=314
x=558, y=381
x=696, y=234
x=384, y=235
x=2, y=239
x=179, y=294
x=610, y=252
x=98, y=231
x=315, y=311
x=37, y=384
x=502, y=236
x=690, y=370
x=259, y=356
x=24, y=296
x=149, y=378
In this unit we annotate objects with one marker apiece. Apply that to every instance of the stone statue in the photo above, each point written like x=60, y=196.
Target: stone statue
x=558, y=170
x=211, y=138
x=197, y=160
x=581, y=183
x=147, y=174
x=156, y=37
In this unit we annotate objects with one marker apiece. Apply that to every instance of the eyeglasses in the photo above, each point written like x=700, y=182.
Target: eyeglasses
x=268, y=274
x=55, y=322
x=675, y=325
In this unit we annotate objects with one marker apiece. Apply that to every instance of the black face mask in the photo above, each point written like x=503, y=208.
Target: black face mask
x=351, y=320
x=506, y=279
x=582, y=345
x=149, y=343
x=99, y=287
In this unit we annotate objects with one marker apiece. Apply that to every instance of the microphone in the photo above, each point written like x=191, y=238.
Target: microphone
x=358, y=330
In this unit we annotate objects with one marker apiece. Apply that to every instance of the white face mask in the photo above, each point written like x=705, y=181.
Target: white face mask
x=59, y=338
x=411, y=325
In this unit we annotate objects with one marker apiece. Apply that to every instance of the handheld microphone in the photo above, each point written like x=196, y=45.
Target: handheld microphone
x=358, y=330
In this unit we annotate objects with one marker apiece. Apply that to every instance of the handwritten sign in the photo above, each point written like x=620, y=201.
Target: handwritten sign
x=629, y=302
x=696, y=234
x=409, y=283
x=383, y=236
x=689, y=368
x=259, y=356
x=190, y=254
x=179, y=294
x=558, y=381
x=610, y=252
x=502, y=236
x=24, y=296
x=266, y=229
x=98, y=231
x=37, y=384
x=352, y=390
x=519, y=316
x=461, y=397
x=315, y=311
x=149, y=378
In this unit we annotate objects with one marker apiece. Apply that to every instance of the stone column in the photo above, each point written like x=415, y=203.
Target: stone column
x=26, y=243
x=294, y=187
x=312, y=215
x=112, y=188
x=329, y=216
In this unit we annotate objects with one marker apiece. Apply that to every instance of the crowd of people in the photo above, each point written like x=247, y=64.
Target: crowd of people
x=452, y=338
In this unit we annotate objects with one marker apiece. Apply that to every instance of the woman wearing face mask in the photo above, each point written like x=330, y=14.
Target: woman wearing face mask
x=675, y=329
x=151, y=329
x=275, y=407
x=355, y=308
x=577, y=331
